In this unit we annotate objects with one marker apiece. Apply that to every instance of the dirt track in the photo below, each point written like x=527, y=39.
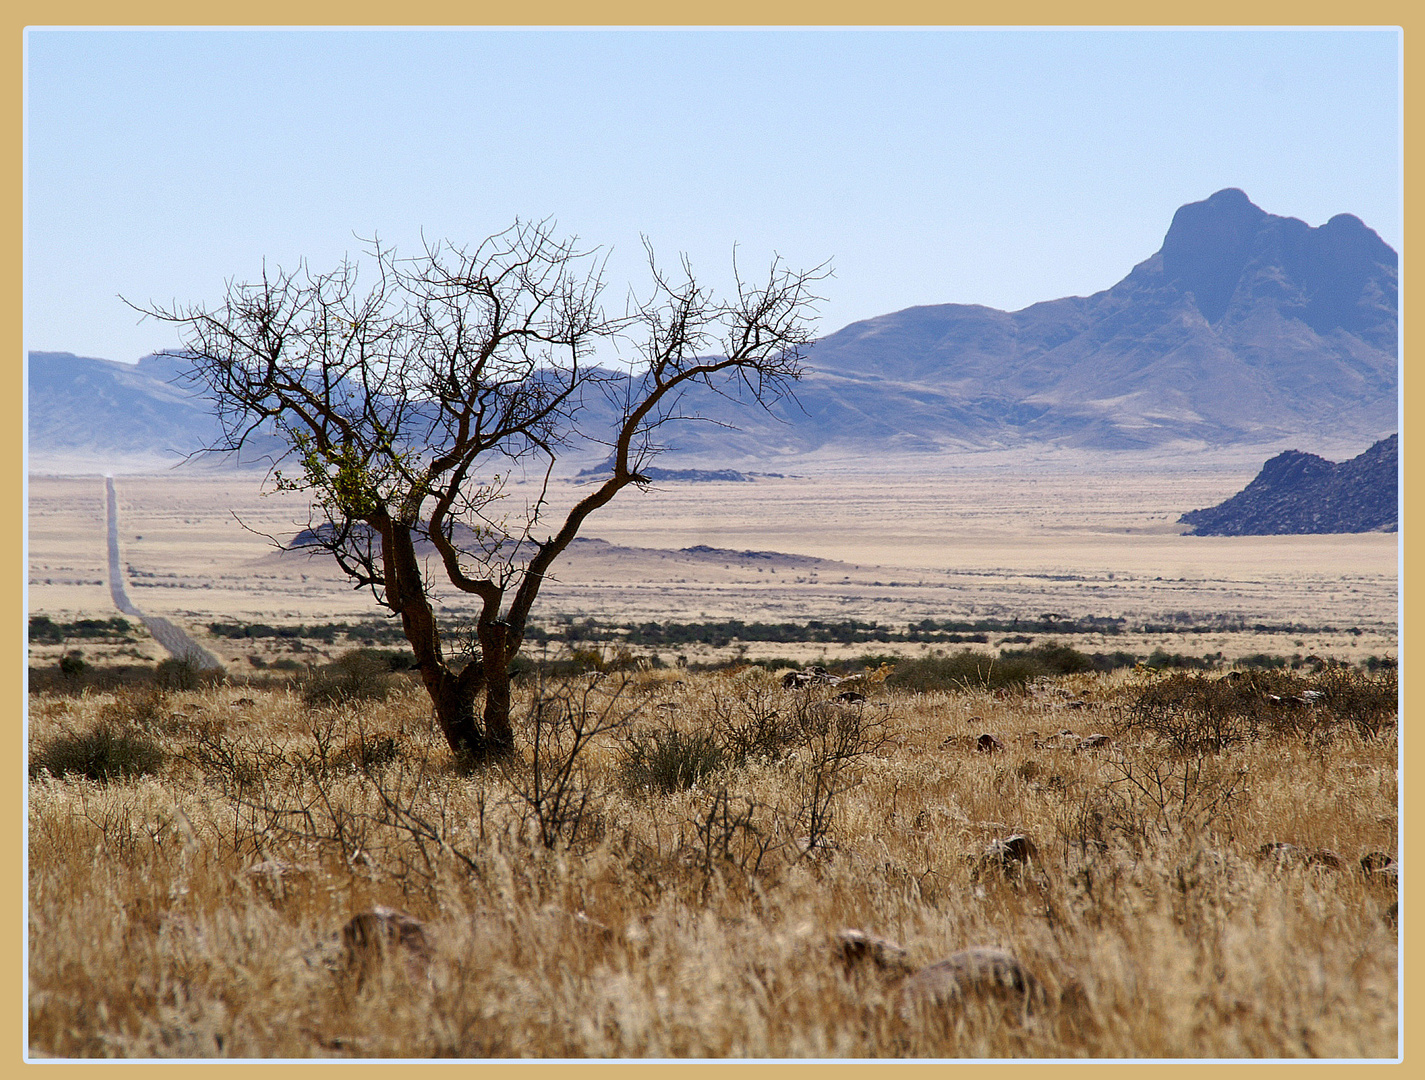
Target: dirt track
x=171, y=637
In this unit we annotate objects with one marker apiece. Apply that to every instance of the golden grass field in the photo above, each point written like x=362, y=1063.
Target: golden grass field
x=198, y=910
x=194, y=905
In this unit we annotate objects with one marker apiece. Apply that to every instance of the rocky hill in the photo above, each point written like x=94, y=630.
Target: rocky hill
x=1303, y=493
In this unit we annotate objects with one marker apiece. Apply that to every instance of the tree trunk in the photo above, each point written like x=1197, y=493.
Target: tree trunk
x=455, y=712
x=499, y=736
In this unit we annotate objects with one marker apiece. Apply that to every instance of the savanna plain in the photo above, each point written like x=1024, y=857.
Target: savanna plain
x=984, y=762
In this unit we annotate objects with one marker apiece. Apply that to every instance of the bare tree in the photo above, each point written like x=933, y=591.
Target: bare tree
x=407, y=403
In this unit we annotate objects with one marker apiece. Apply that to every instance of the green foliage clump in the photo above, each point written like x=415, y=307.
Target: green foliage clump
x=965, y=670
x=105, y=753
x=183, y=673
x=360, y=675
x=1160, y=658
x=45, y=631
x=668, y=760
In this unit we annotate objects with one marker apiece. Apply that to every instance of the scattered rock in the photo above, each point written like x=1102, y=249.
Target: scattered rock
x=1289, y=855
x=277, y=878
x=859, y=949
x=1326, y=858
x=851, y=697
x=372, y=937
x=988, y=744
x=243, y=701
x=1096, y=741
x=1380, y=869
x=1010, y=855
x=982, y=973
x=1283, y=855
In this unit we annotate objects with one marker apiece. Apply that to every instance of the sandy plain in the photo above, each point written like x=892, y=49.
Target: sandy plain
x=886, y=546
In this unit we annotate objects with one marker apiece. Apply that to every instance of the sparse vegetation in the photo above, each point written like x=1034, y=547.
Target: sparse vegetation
x=189, y=900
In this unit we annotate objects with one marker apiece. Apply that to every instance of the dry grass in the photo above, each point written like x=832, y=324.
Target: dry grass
x=197, y=910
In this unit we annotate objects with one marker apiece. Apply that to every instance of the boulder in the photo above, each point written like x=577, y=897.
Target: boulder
x=860, y=950
x=1010, y=855
x=982, y=974
x=386, y=938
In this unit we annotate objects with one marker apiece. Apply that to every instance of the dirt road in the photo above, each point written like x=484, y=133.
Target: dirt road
x=171, y=637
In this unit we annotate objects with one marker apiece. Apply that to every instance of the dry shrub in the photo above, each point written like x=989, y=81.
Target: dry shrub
x=104, y=753
x=359, y=675
x=1194, y=712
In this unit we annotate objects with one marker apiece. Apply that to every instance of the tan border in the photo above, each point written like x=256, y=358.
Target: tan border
x=622, y=12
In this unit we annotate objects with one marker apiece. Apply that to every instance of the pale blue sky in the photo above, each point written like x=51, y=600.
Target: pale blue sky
x=998, y=168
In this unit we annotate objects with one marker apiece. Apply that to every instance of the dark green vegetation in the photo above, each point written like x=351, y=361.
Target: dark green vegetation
x=45, y=631
x=105, y=752
x=370, y=632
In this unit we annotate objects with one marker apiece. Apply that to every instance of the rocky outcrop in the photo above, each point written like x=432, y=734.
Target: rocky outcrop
x=1302, y=493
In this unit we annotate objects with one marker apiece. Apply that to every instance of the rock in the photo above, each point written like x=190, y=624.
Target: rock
x=859, y=949
x=1391, y=915
x=1096, y=741
x=1326, y=858
x=373, y=937
x=988, y=744
x=1282, y=855
x=1012, y=854
x=277, y=878
x=983, y=974
x=1380, y=868
x=851, y=697
x=1289, y=855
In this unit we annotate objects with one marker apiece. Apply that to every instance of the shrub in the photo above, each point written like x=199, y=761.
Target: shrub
x=668, y=760
x=72, y=665
x=185, y=673
x=1159, y=658
x=106, y=752
x=1053, y=657
x=360, y=675
x=368, y=752
x=1262, y=661
x=967, y=670
x=1194, y=712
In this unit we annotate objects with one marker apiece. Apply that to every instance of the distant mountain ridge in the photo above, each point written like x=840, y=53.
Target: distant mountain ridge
x=1245, y=329
x=1302, y=493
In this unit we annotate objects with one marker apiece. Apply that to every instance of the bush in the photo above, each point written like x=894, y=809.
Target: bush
x=1159, y=658
x=1053, y=658
x=178, y=673
x=967, y=670
x=668, y=760
x=1193, y=712
x=1262, y=661
x=360, y=675
x=105, y=753
x=72, y=665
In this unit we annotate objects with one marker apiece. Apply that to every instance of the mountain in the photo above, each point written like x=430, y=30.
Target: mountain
x=1303, y=493
x=1244, y=330
x=87, y=414
x=1244, y=327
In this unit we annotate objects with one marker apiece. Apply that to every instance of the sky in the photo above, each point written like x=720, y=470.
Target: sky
x=927, y=166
